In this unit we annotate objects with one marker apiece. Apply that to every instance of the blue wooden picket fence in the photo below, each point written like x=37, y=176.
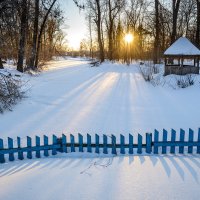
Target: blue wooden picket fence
x=152, y=145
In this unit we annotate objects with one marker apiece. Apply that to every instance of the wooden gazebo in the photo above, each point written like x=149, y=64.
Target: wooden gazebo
x=179, y=51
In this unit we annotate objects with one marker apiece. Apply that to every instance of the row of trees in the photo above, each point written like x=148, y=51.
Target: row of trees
x=30, y=31
x=155, y=25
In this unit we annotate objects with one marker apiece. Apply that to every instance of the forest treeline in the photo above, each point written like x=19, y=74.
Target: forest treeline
x=155, y=24
x=31, y=30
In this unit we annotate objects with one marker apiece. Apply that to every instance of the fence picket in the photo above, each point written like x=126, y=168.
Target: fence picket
x=46, y=152
x=72, y=140
x=80, y=141
x=191, y=139
x=164, y=148
x=139, y=147
x=55, y=141
x=148, y=142
x=29, y=144
x=89, y=142
x=96, y=143
x=130, y=144
x=113, y=139
x=20, y=153
x=105, y=141
x=173, y=139
x=198, y=146
x=10, y=146
x=122, y=143
x=64, y=143
x=37, y=141
x=182, y=137
x=2, y=157
x=156, y=139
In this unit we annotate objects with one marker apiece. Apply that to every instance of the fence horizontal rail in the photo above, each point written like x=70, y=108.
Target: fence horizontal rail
x=152, y=144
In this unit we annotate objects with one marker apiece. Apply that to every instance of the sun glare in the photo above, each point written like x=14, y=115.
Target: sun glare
x=128, y=38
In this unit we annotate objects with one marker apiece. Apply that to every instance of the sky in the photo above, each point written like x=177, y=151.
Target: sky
x=75, y=21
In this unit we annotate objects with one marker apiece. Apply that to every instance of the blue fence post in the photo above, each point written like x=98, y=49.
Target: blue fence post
x=20, y=153
x=182, y=137
x=89, y=142
x=37, y=142
x=130, y=151
x=72, y=141
x=139, y=148
x=156, y=140
x=80, y=141
x=64, y=143
x=198, y=146
x=122, y=143
x=113, y=140
x=173, y=140
x=10, y=146
x=2, y=157
x=164, y=148
x=105, y=141
x=148, y=142
x=55, y=142
x=29, y=145
x=46, y=143
x=96, y=143
x=191, y=139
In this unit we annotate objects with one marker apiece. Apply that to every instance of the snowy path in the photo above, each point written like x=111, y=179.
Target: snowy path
x=73, y=97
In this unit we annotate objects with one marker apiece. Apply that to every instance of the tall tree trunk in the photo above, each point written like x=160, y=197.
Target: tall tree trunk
x=175, y=7
x=198, y=24
x=91, y=40
x=110, y=32
x=156, y=42
x=101, y=49
x=22, y=42
x=40, y=33
x=35, y=36
x=1, y=63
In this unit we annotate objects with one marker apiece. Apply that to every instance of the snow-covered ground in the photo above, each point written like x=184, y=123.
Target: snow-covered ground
x=114, y=178
x=72, y=97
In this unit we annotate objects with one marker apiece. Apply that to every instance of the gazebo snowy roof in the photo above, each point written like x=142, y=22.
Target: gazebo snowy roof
x=182, y=47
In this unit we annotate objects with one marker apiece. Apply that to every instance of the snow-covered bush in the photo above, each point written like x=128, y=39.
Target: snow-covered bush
x=148, y=69
x=185, y=81
x=10, y=91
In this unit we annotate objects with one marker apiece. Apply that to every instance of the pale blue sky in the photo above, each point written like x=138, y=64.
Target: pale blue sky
x=77, y=29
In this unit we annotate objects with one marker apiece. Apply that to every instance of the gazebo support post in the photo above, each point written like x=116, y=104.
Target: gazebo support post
x=198, y=62
x=181, y=61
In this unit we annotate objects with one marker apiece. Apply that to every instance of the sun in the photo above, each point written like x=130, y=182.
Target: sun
x=128, y=38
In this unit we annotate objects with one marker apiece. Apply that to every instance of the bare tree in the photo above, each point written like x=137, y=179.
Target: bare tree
x=23, y=32
x=175, y=9
x=114, y=7
x=198, y=23
x=35, y=35
x=41, y=31
x=98, y=22
x=157, y=28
